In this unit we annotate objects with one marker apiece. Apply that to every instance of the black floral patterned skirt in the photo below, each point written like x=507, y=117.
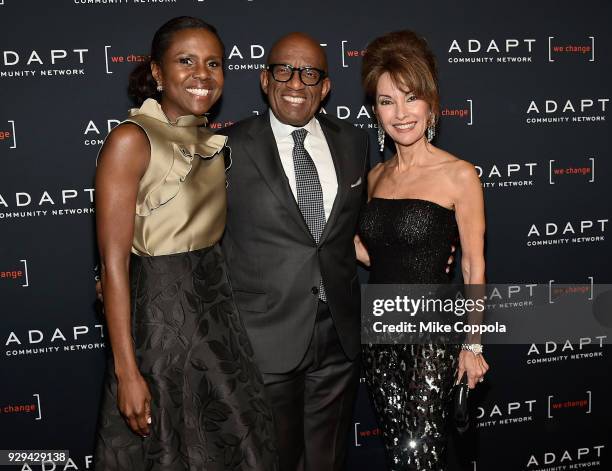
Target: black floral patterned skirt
x=208, y=407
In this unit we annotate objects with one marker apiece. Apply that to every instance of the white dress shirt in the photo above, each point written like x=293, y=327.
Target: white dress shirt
x=316, y=145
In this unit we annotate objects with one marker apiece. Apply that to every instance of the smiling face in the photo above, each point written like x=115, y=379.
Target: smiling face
x=403, y=115
x=293, y=102
x=190, y=72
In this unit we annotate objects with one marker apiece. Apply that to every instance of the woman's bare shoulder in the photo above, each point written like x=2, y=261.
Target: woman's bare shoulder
x=456, y=168
x=127, y=144
x=127, y=135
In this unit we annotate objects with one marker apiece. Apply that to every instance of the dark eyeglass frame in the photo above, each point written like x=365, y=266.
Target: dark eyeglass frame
x=299, y=70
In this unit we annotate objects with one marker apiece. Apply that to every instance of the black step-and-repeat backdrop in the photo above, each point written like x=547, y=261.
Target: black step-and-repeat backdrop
x=525, y=97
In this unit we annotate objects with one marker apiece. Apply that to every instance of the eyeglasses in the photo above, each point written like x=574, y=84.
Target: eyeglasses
x=309, y=76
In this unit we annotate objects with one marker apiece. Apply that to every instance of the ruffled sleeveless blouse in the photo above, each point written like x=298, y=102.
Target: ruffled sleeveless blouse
x=181, y=203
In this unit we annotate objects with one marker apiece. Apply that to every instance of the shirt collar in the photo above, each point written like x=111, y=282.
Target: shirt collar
x=283, y=131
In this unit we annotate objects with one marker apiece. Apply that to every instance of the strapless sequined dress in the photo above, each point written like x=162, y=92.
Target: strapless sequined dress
x=409, y=241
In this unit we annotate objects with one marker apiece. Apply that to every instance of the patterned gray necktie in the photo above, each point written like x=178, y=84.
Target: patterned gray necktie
x=309, y=192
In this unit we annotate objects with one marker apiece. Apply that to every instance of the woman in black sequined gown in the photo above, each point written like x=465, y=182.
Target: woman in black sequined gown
x=421, y=202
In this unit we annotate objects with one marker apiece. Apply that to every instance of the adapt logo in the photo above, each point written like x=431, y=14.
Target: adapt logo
x=60, y=202
x=15, y=63
x=577, y=458
x=567, y=232
x=52, y=340
x=500, y=297
x=360, y=115
x=507, y=175
x=246, y=57
x=553, y=351
x=490, y=50
x=95, y=131
x=511, y=412
x=577, y=110
x=71, y=463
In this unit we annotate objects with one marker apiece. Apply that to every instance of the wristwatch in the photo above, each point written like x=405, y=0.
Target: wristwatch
x=475, y=348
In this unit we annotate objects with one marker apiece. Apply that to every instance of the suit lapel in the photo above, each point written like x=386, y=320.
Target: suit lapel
x=334, y=138
x=263, y=151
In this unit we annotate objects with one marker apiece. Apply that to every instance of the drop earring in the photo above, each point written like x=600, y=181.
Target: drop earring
x=381, y=137
x=431, y=130
x=160, y=87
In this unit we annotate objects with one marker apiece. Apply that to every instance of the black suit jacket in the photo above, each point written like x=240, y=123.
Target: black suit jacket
x=274, y=263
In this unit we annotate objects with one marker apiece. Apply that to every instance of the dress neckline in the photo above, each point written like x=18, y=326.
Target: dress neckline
x=413, y=199
x=151, y=108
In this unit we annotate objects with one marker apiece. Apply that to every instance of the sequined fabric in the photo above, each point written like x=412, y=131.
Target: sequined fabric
x=409, y=242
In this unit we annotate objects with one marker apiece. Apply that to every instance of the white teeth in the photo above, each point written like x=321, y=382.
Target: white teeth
x=405, y=126
x=294, y=99
x=198, y=91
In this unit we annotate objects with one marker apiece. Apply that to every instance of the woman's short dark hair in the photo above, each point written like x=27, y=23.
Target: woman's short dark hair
x=142, y=85
x=406, y=57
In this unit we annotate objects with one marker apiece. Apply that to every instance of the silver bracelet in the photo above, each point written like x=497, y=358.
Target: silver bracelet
x=475, y=348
